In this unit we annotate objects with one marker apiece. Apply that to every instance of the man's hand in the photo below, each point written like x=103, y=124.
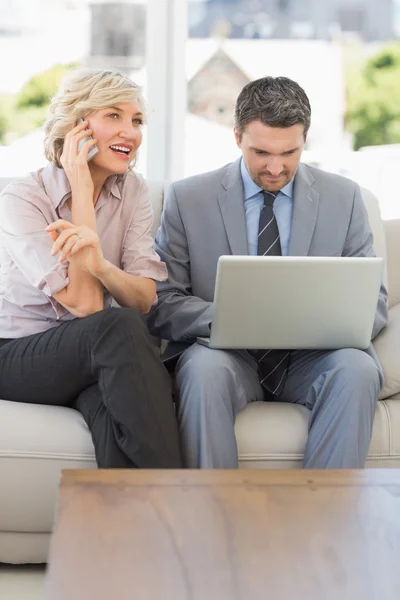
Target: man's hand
x=79, y=245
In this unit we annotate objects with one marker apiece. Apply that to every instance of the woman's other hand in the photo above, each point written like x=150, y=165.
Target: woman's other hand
x=79, y=245
x=75, y=162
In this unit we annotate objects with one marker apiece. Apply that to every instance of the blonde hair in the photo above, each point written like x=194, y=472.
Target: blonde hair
x=82, y=92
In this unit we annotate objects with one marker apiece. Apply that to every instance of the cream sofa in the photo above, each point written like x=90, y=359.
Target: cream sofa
x=36, y=442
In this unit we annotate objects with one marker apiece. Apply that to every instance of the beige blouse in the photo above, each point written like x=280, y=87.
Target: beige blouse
x=29, y=275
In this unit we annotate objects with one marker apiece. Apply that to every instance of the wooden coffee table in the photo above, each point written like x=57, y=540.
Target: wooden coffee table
x=216, y=535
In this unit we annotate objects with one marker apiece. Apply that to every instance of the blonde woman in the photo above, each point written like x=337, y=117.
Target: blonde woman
x=73, y=236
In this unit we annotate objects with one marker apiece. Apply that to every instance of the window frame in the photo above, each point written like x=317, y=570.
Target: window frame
x=166, y=89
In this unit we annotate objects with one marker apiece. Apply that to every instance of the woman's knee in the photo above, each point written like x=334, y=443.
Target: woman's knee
x=122, y=321
x=122, y=333
x=123, y=317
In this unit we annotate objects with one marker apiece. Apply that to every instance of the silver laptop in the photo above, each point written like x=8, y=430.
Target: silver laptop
x=294, y=302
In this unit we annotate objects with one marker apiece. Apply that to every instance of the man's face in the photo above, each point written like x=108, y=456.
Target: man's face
x=271, y=154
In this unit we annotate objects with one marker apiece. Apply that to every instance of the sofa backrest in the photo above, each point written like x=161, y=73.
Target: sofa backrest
x=378, y=230
x=157, y=199
x=392, y=239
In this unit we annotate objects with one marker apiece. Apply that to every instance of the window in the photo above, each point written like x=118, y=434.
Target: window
x=219, y=65
x=192, y=58
x=99, y=34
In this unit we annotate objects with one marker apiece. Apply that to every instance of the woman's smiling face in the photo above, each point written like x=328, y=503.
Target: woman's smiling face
x=118, y=131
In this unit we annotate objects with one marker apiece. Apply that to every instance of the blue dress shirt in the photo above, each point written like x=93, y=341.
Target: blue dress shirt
x=253, y=203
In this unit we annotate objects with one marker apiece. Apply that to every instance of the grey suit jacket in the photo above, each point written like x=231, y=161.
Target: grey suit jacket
x=204, y=218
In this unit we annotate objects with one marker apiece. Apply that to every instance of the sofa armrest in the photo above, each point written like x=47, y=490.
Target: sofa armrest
x=387, y=347
x=392, y=235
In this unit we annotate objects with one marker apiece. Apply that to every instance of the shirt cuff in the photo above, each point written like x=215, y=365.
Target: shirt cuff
x=56, y=279
x=157, y=271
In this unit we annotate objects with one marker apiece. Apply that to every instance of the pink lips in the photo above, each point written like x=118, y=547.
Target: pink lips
x=121, y=154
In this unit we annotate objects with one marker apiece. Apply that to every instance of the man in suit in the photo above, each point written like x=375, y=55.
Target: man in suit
x=267, y=202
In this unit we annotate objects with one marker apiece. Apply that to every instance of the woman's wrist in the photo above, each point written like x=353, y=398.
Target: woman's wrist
x=83, y=212
x=102, y=270
x=81, y=195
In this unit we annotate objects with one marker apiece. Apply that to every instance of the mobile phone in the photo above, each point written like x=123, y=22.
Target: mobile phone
x=93, y=150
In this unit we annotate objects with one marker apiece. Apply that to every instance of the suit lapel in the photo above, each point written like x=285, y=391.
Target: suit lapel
x=305, y=210
x=231, y=203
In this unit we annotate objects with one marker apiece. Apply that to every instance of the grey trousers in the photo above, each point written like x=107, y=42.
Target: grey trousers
x=339, y=387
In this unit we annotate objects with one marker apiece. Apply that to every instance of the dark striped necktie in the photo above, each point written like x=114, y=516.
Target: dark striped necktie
x=269, y=243
x=272, y=364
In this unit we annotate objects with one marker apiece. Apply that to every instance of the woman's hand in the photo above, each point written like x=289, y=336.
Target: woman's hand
x=79, y=245
x=75, y=163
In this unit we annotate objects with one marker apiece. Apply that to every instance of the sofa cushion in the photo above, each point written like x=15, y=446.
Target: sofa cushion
x=387, y=346
x=392, y=239
x=36, y=442
x=273, y=435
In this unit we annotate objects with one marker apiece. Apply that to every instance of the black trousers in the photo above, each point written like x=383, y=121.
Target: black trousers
x=105, y=366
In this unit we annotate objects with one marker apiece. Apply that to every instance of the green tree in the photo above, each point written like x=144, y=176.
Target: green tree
x=39, y=90
x=25, y=111
x=3, y=127
x=373, y=99
x=6, y=110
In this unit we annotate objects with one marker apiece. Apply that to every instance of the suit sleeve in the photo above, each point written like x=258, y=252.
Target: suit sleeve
x=178, y=315
x=359, y=242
